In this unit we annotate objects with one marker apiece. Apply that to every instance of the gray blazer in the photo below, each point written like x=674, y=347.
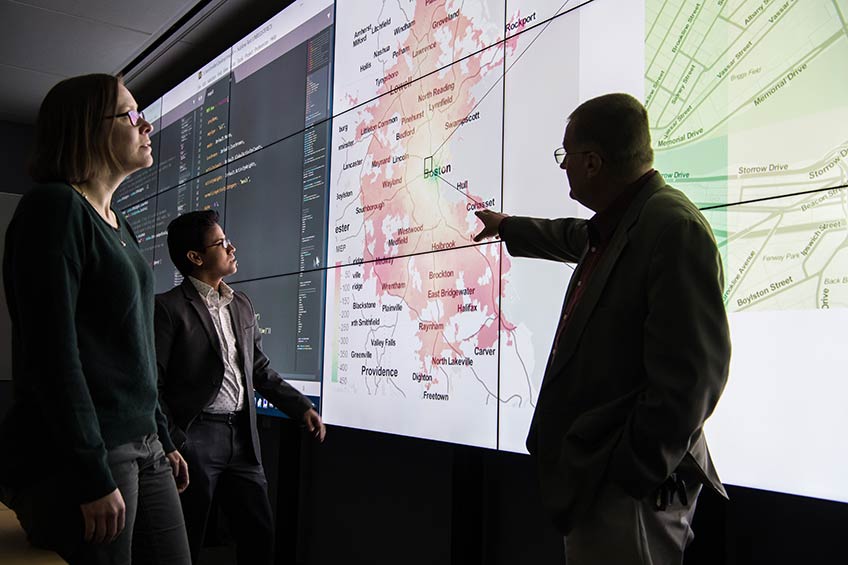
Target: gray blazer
x=643, y=360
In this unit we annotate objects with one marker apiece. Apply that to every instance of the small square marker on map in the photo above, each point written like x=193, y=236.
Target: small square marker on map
x=428, y=166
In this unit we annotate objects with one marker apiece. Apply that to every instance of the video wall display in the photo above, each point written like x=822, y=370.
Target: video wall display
x=346, y=146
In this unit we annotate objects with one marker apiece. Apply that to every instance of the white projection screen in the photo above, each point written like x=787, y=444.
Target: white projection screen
x=346, y=146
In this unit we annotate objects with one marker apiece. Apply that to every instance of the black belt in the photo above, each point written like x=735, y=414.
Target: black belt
x=225, y=417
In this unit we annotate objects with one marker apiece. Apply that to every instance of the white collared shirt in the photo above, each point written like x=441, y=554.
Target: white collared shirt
x=230, y=396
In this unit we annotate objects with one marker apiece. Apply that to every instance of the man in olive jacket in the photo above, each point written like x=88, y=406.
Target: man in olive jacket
x=641, y=353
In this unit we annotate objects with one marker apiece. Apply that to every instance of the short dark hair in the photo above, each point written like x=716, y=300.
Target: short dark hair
x=187, y=233
x=72, y=138
x=617, y=125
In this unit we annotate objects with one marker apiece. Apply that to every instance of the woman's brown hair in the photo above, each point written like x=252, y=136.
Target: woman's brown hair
x=72, y=139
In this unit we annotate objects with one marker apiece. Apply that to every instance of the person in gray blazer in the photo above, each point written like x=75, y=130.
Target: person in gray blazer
x=210, y=360
x=642, y=349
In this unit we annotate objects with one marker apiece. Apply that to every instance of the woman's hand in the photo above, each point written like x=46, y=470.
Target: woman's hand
x=104, y=519
x=180, y=469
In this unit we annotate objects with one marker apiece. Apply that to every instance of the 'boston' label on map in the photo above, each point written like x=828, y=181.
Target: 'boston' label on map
x=437, y=171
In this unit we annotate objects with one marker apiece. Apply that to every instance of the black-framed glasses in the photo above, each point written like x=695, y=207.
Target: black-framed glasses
x=225, y=243
x=560, y=154
x=133, y=116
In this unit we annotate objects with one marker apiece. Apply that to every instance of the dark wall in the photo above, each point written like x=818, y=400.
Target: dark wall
x=365, y=497
x=16, y=142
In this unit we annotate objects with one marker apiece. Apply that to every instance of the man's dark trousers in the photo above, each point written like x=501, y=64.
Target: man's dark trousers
x=222, y=465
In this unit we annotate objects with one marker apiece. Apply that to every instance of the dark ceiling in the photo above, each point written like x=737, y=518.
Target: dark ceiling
x=156, y=44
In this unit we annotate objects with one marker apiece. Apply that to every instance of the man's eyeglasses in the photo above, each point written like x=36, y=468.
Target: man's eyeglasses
x=133, y=116
x=225, y=243
x=560, y=154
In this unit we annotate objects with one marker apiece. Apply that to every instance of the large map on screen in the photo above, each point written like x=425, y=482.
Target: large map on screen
x=413, y=307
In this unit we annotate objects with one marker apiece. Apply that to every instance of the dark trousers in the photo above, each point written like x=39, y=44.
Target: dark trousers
x=222, y=467
x=622, y=530
x=154, y=533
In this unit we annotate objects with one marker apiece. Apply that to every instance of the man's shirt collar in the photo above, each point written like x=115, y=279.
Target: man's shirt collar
x=220, y=297
x=602, y=225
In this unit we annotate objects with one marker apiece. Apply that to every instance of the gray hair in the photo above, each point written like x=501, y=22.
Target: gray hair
x=616, y=125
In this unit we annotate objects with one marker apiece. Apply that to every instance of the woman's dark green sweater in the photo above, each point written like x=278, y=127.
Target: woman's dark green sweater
x=80, y=298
